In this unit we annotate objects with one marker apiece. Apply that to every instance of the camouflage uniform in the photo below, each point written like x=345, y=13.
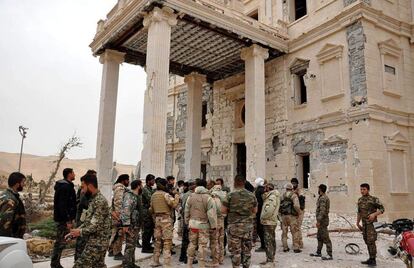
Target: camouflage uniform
x=322, y=217
x=96, y=230
x=201, y=216
x=12, y=214
x=83, y=203
x=148, y=223
x=240, y=205
x=268, y=218
x=185, y=241
x=366, y=206
x=220, y=197
x=161, y=205
x=130, y=217
x=117, y=236
x=301, y=215
x=291, y=222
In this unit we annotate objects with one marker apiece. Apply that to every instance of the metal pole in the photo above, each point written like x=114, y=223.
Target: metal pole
x=23, y=132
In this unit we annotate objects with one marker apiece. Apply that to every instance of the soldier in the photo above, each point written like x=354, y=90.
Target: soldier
x=301, y=211
x=369, y=208
x=258, y=192
x=12, y=212
x=185, y=241
x=241, y=206
x=131, y=220
x=268, y=217
x=117, y=236
x=322, y=222
x=64, y=213
x=95, y=229
x=83, y=202
x=219, y=197
x=200, y=215
x=289, y=207
x=162, y=203
x=148, y=224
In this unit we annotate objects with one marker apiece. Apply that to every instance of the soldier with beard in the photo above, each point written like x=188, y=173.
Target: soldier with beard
x=13, y=215
x=95, y=229
x=148, y=224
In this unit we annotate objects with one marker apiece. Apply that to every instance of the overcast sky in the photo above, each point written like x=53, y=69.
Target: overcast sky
x=50, y=82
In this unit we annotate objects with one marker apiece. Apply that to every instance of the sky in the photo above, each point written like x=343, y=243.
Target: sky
x=50, y=82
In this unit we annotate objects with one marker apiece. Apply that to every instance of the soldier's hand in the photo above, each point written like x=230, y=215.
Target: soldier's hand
x=74, y=233
x=371, y=217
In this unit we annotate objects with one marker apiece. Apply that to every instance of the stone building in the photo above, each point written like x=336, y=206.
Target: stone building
x=321, y=90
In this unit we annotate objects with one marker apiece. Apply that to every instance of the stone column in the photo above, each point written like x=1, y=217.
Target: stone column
x=158, y=22
x=255, y=135
x=195, y=84
x=107, y=114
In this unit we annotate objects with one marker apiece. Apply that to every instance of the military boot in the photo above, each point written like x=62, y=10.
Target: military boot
x=190, y=262
x=155, y=261
x=370, y=262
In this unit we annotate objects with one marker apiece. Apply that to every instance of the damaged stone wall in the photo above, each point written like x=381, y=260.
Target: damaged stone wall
x=348, y=2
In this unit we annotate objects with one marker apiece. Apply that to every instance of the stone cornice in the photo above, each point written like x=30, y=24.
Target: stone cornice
x=349, y=15
x=112, y=55
x=180, y=146
x=160, y=15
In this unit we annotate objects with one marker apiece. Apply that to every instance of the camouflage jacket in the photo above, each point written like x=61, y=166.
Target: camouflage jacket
x=270, y=209
x=209, y=209
x=322, y=210
x=12, y=215
x=219, y=197
x=97, y=224
x=147, y=192
x=367, y=205
x=131, y=212
x=118, y=190
x=240, y=205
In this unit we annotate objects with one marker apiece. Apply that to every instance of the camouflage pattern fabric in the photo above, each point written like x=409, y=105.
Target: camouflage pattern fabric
x=117, y=236
x=116, y=240
x=95, y=229
x=290, y=222
x=300, y=222
x=213, y=236
x=270, y=242
x=60, y=244
x=366, y=206
x=148, y=223
x=130, y=245
x=323, y=238
x=79, y=246
x=240, y=204
x=198, y=237
x=163, y=235
x=322, y=217
x=240, y=243
x=12, y=215
x=220, y=240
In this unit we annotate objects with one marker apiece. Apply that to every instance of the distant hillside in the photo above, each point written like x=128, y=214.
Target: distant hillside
x=41, y=166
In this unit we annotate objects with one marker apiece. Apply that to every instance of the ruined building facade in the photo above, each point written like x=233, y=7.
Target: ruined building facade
x=321, y=90
x=339, y=107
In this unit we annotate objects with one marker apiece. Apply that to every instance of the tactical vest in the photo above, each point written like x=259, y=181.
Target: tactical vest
x=159, y=204
x=198, y=210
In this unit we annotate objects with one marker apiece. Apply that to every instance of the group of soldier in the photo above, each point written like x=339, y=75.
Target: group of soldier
x=208, y=216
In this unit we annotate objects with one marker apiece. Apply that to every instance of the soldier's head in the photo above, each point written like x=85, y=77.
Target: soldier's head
x=201, y=182
x=295, y=183
x=69, y=174
x=269, y=187
x=220, y=181
x=239, y=181
x=171, y=180
x=180, y=183
x=162, y=184
x=91, y=172
x=365, y=189
x=186, y=186
x=124, y=179
x=289, y=187
x=191, y=185
x=16, y=181
x=90, y=184
x=210, y=184
x=150, y=180
x=136, y=186
x=322, y=189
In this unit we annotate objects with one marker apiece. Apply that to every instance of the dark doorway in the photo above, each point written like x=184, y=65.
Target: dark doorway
x=304, y=169
x=241, y=159
x=204, y=171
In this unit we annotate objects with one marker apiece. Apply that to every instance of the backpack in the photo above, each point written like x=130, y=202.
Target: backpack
x=286, y=207
x=302, y=199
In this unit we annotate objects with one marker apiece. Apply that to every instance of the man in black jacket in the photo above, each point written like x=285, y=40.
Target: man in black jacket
x=260, y=189
x=64, y=213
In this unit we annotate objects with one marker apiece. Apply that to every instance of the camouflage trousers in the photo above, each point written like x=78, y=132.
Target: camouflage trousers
x=300, y=222
x=270, y=242
x=220, y=240
x=240, y=243
x=93, y=256
x=60, y=244
x=198, y=238
x=290, y=222
x=163, y=234
x=214, y=246
x=131, y=239
x=117, y=238
x=370, y=237
x=79, y=247
x=323, y=238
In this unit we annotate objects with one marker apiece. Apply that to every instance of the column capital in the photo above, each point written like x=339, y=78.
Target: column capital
x=112, y=55
x=254, y=51
x=160, y=14
x=195, y=77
